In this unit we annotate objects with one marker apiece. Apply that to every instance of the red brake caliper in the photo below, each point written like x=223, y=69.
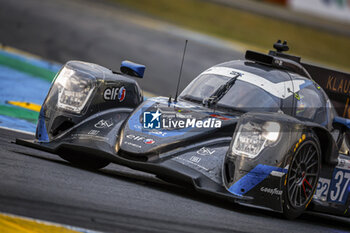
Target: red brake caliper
x=303, y=184
x=307, y=182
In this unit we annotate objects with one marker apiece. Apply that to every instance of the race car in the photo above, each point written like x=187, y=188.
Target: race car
x=268, y=131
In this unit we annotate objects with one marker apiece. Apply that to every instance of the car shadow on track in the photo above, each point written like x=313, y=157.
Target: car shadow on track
x=151, y=181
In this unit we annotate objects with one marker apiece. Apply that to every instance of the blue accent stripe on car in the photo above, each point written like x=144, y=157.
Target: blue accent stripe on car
x=305, y=84
x=137, y=69
x=253, y=178
x=342, y=121
x=134, y=120
x=41, y=130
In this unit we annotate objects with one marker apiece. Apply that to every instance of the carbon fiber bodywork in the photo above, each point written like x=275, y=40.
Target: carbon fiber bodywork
x=205, y=159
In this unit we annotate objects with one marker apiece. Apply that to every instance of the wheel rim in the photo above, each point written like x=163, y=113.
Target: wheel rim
x=303, y=175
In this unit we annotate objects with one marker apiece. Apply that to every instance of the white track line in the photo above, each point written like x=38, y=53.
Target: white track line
x=17, y=130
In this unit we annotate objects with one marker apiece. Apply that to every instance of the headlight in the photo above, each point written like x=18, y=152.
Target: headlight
x=271, y=131
x=74, y=89
x=252, y=138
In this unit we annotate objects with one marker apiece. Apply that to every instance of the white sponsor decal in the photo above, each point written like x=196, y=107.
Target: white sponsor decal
x=93, y=132
x=205, y=151
x=279, y=90
x=135, y=137
x=132, y=144
x=88, y=137
x=272, y=191
x=339, y=186
x=104, y=124
x=157, y=132
x=114, y=93
x=195, y=159
x=140, y=138
x=343, y=164
x=185, y=161
x=322, y=189
x=277, y=173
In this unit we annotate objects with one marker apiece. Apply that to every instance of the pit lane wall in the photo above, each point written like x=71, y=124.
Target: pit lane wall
x=332, y=9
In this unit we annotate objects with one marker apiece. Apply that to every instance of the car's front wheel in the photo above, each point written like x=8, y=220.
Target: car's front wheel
x=302, y=177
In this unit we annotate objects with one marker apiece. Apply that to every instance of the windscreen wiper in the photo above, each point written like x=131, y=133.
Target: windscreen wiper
x=220, y=92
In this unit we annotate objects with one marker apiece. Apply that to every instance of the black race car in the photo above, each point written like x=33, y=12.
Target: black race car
x=261, y=131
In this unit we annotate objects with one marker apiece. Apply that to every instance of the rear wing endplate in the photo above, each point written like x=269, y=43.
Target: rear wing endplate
x=336, y=84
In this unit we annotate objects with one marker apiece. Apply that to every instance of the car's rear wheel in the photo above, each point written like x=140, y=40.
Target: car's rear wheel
x=302, y=177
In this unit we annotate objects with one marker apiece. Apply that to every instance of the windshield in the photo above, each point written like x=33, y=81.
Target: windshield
x=242, y=96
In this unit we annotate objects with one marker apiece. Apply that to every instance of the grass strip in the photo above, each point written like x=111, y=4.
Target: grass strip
x=248, y=29
x=26, y=67
x=20, y=113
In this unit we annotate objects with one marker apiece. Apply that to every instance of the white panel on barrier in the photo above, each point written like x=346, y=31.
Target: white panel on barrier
x=336, y=9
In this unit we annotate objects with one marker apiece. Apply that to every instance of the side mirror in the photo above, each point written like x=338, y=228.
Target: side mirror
x=342, y=121
x=132, y=69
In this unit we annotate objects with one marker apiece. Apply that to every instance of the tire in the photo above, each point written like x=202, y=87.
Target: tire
x=85, y=161
x=302, y=177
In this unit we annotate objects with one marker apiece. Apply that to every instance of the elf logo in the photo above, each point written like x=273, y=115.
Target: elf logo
x=114, y=93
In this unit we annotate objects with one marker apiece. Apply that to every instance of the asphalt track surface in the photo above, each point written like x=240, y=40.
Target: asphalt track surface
x=103, y=33
x=117, y=199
